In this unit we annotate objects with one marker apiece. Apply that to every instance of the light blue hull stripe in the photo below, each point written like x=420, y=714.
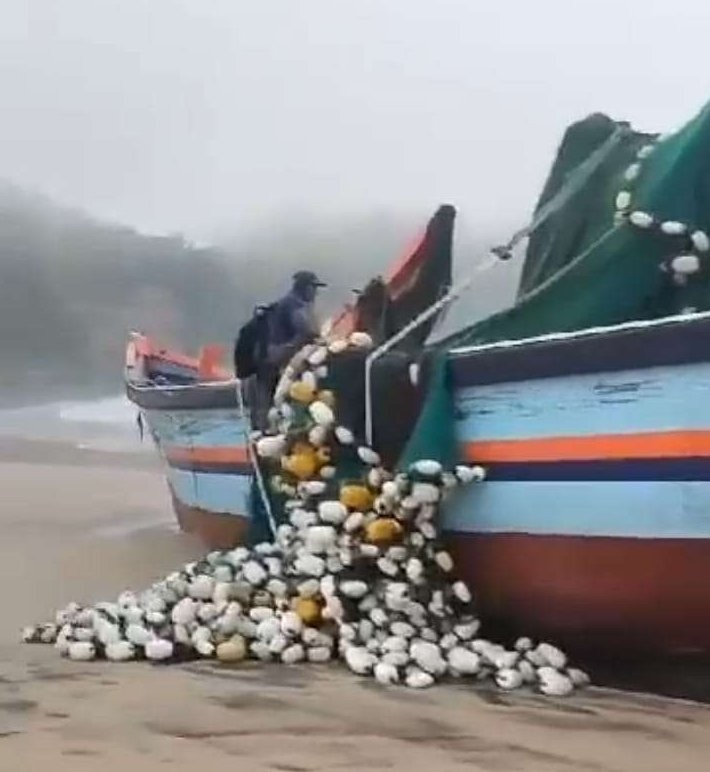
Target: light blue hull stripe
x=219, y=493
x=624, y=509
x=199, y=428
x=651, y=400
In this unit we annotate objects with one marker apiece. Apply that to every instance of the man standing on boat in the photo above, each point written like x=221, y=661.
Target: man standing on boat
x=290, y=324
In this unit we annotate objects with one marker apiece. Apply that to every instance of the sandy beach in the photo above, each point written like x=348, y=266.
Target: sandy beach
x=84, y=525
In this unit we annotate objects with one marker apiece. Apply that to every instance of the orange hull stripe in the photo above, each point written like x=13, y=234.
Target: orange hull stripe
x=677, y=444
x=230, y=455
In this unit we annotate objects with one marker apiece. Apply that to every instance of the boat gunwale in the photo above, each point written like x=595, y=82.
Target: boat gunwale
x=587, y=332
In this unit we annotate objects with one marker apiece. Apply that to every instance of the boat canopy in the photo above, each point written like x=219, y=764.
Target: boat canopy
x=604, y=255
x=619, y=210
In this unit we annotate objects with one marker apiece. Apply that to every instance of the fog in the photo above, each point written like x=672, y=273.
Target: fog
x=167, y=163
x=205, y=115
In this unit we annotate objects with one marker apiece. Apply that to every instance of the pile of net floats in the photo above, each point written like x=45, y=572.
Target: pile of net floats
x=358, y=572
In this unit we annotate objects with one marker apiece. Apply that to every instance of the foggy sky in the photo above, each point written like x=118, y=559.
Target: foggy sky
x=193, y=115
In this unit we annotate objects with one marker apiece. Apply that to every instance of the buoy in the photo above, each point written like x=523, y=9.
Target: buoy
x=554, y=683
x=120, y=651
x=383, y=531
x=641, y=219
x=509, y=679
x=632, y=172
x=333, y=512
x=320, y=539
x=463, y=661
x=427, y=468
x=302, y=392
x=353, y=588
x=700, y=240
x=321, y=413
x=685, y=264
x=425, y=493
x=359, y=659
x=327, y=397
x=386, y=674
x=81, y=651
x=673, y=228
x=271, y=447
x=344, y=435
x=309, y=610
x=356, y=497
x=233, y=650
x=336, y=347
x=301, y=465
x=318, y=356
x=552, y=656
x=418, y=679
x=623, y=200
x=360, y=340
x=368, y=456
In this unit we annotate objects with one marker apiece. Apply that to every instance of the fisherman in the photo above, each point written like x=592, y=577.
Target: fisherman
x=290, y=324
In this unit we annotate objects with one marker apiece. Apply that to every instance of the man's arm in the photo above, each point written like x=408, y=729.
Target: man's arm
x=303, y=326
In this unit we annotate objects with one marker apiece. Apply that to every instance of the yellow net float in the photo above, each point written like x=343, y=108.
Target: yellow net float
x=326, y=396
x=301, y=465
x=309, y=610
x=384, y=531
x=356, y=496
x=302, y=392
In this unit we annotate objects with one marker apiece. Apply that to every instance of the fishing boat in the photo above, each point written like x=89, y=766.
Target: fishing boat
x=593, y=526
x=585, y=401
x=192, y=406
x=191, y=409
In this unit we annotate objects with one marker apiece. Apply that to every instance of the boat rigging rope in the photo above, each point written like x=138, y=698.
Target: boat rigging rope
x=574, y=182
x=576, y=179
x=251, y=450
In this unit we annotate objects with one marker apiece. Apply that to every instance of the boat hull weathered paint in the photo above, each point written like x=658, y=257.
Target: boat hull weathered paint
x=593, y=527
x=208, y=470
x=200, y=432
x=592, y=594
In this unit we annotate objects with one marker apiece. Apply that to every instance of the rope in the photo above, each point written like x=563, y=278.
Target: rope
x=575, y=181
x=253, y=460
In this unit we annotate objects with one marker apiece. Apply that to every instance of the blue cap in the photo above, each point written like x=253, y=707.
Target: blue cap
x=307, y=279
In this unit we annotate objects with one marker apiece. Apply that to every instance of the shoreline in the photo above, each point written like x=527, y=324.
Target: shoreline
x=56, y=452
x=84, y=524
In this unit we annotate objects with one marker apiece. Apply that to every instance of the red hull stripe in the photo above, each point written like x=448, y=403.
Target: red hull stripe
x=622, y=594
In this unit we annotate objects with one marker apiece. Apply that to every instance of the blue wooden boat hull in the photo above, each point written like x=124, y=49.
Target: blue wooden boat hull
x=594, y=523
x=593, y=526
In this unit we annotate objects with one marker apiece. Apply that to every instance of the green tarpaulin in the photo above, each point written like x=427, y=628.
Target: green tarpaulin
x=583, y=270
x=580, y=269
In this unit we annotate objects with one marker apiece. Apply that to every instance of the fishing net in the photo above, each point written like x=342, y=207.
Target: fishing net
x=587, y=263
x=397, y=400
x=582, y=268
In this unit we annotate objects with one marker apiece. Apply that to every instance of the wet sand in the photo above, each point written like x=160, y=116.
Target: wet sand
x=84, y=525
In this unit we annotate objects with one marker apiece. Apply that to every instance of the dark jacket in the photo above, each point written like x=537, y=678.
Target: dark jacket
x=291, y=325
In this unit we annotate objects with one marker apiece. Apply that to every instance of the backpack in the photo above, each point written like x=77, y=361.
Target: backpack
x=251, y=343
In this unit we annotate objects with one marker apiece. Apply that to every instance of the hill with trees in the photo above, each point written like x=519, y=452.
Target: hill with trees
x=72, y=287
